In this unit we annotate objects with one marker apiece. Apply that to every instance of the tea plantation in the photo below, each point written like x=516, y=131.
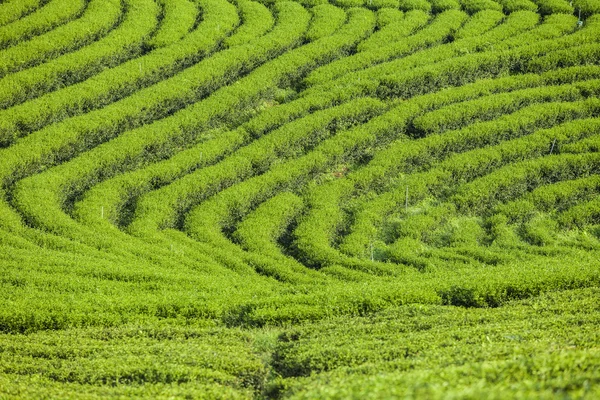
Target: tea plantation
x=355, y=199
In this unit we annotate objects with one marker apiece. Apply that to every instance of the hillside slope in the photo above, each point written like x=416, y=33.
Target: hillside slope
x=277, y=199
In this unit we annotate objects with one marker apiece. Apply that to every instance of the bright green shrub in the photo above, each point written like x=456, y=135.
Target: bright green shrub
x=179, y=17
x=114, y=193
x=262, y=228
x=326, y=19
x=461, y=70
x=474, y=6
x=533, y=145
x=391, y=348
x=385, y=158
x=163, y=191
x=589, y=145
x=511, y=6
x=13, y=10
x=382, y=4
x=168, y=93
x=511, y=181
x=368, y=80
x=54, y=13
x=443, y=26
x=416, y=155
x=469, y=165
x=386, y=16
x=256, y=21
x=98, y=18
x=153, y=134
x=319, y=229
x=557, y=197
x=422, y=5
x=587, y=54
x=553, y=27
x=394, y=32
x=554, y=7
x=479, y=23
x=122, y=43
x=582, y=215
x=203, y=221
x=587, y=7
x=490, y=107
x=348, y=3
x=161, y=208
x=438, y=6
x=565, y=194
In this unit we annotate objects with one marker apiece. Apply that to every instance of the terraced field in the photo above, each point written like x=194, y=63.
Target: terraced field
x=281, y=199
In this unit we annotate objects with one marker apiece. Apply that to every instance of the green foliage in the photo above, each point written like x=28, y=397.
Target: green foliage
x=443, y=25
x=395, y=31
x=348, y=3
x=554, y=6
x=421, y=5
x=13, y=10
x=480, y=23
x=511, y=6
x=490, y=107
x=123, y=42
x=587, y=7
x=419, y=351
x=98, y=19
x=511, y=181
x=162, y=360
x=386, y=16
x=112, y=84
x=438, y=6
x=179, y=17
x=382, y=4
x=326, y=19
x=44, y=19
x=475, y=6
x=256, y=21
x=261, y=230
x=311, y=199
